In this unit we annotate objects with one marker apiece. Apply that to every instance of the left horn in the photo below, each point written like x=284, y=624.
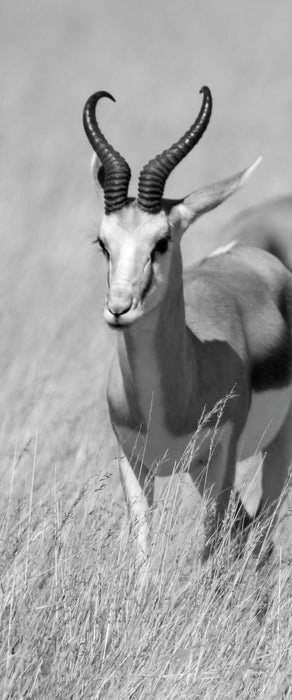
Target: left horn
x=116, y=172
x=154, y=175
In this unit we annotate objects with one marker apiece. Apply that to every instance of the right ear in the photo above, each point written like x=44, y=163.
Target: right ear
x=97, y=172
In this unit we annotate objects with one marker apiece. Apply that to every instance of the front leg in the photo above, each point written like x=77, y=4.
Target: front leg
x=213, y=472
x=138, y=487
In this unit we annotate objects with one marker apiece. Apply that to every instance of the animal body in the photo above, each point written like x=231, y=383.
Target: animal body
x=186, y=340
x=268, y=226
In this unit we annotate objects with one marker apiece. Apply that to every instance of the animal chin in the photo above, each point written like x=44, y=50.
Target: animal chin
x=120, y=322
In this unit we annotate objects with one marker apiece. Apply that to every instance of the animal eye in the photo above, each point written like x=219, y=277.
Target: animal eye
x=161, y=246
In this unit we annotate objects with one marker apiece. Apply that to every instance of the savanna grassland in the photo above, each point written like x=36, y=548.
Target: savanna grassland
x=71, y=625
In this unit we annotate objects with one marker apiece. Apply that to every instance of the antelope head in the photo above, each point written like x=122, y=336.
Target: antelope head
x=140, y=236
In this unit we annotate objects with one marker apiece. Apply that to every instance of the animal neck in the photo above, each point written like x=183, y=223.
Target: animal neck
x=154, y=353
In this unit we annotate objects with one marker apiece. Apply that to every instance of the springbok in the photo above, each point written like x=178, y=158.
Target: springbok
x=184, y=343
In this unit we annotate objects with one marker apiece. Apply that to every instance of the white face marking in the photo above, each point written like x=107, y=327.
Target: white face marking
x=266, y=415
x=138, y=271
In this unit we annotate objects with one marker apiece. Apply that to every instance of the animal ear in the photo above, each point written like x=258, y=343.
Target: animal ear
x=203, y=200
x=97, y=171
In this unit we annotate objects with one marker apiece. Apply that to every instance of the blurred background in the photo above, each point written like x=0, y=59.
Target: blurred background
x=153, y=57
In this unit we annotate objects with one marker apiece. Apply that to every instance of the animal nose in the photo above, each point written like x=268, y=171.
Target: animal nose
x=120, y=303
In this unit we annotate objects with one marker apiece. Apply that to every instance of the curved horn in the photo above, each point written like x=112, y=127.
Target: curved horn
x=154, y=175
x=115, y=175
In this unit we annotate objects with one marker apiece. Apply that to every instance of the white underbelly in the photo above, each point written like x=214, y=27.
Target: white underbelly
x=267, y=413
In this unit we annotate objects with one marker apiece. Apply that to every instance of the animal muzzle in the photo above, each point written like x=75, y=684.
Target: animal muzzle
x=119, y=301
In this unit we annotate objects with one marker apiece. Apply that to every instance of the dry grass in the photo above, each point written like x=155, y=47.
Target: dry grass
x=70, y=623
x=72, y=626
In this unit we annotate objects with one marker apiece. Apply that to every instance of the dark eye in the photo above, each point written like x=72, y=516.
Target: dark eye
x=161, y=247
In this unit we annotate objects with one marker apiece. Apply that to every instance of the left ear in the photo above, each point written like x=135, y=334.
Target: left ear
x=207, y=198
x=97, y=171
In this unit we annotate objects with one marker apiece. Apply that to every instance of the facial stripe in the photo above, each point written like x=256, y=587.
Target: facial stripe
x=148, y=285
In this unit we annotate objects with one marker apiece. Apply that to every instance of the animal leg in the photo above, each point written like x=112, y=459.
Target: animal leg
x=216, y=480
x=277, y=460
x=138, y=487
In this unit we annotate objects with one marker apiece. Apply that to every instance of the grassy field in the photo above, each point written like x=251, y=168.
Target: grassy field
x=71, y=626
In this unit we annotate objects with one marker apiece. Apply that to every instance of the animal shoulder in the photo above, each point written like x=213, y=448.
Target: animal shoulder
x=215, y=290
x=240, y=276
x=257, y=286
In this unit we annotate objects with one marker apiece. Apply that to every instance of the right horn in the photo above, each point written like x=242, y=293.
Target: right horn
x=116, y=172
x=154, y=175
